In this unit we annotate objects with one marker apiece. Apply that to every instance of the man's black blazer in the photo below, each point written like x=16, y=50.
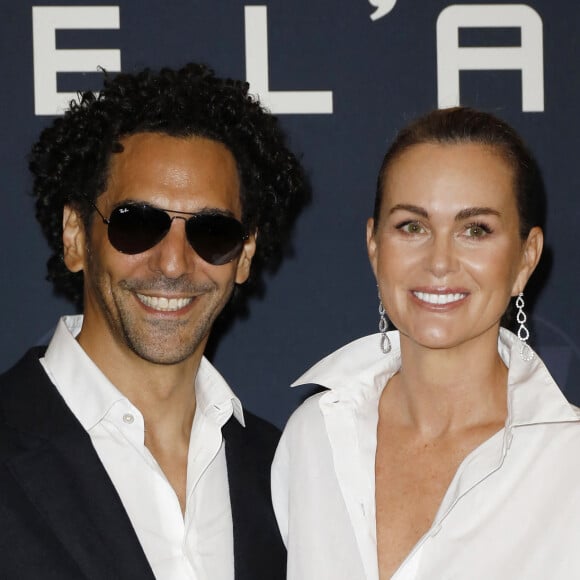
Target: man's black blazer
x=60, y=515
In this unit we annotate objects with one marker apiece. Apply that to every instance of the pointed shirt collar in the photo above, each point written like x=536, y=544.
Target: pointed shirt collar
x=361, y=369
x=90, y=395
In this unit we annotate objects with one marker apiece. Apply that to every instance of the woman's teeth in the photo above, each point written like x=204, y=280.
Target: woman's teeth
x=439, y=298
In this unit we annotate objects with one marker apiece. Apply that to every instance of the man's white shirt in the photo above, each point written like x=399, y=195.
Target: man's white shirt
x=197, y=545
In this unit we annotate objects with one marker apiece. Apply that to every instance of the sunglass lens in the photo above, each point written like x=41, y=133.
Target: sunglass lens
x=135, y=228
x=218, y=239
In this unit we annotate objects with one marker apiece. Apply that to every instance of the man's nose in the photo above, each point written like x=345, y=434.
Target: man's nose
x=173, y=256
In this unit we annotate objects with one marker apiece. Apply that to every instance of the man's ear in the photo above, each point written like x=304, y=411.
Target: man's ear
x=245, y=259
x=73, y=239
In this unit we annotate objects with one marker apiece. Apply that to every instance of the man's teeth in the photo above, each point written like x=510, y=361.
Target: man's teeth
x=164, y=304
x=439, y=298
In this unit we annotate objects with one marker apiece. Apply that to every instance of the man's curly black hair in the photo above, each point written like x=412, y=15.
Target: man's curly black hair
x=70, y=161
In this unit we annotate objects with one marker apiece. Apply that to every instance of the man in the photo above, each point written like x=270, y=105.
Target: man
x=158, y=197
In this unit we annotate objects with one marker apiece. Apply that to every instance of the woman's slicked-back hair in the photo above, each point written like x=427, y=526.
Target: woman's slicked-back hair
x=70, y=161
x=465, y=125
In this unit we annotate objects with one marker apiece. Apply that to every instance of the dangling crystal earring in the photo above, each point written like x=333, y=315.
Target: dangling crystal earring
x=383, y=327
x=526, y=352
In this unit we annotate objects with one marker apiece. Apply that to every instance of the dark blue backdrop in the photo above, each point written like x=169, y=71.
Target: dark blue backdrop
x=343, y=82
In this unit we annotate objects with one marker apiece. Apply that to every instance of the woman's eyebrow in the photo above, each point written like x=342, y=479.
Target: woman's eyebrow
x=466, y=213
x=410, y=208
x=475, y=211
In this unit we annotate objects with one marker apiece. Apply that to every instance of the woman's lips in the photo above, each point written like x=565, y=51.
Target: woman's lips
x=439, y=298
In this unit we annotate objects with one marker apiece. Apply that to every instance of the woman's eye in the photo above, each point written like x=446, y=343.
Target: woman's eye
x=477, y=230
x=411, y=228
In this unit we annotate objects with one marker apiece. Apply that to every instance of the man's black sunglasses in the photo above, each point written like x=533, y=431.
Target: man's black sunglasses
x=134, y=228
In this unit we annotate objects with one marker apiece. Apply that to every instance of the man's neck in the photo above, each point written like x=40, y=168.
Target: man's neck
x=165, y=396
x=163, y=393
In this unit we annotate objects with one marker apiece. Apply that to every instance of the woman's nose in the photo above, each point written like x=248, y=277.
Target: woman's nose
x=442, y=256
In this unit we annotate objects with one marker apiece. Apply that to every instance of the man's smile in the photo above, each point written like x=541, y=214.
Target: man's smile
x=164, y=304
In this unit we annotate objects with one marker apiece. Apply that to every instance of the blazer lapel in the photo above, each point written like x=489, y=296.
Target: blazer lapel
x=259, y=553
x=59, y=470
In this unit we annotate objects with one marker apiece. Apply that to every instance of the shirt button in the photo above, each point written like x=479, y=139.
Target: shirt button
x=128, y=418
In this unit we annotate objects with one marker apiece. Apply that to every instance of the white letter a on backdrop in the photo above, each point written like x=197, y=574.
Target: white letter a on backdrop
x=452, y=58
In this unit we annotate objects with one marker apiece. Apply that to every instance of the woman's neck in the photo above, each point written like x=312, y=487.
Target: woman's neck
x=439, y=391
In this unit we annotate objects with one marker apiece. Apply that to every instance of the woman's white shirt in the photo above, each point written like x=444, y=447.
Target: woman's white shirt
x=511, y=511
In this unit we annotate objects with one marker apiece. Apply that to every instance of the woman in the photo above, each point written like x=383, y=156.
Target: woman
x=444, y=450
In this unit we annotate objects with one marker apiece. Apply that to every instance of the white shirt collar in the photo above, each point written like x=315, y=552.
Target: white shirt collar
x=360, y=365
x=90, y=395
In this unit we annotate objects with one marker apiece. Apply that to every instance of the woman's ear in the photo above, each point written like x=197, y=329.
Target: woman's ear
x=73, y=239
x=372, y=244
x=531, y=254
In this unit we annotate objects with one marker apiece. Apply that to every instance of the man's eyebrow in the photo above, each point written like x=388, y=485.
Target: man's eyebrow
x=207, y=210
x=475, y=211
